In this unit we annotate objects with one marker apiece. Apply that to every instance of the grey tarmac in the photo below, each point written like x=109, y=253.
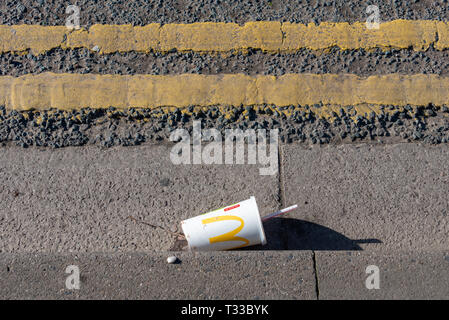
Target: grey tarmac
x=217, y=275
x=402, y=275
x=70, y=206
x=360, y=62
x=80, y=199
x=255, y=276
x=370, y=191
x=141, y=12
x=112, y=127
x=377, y=198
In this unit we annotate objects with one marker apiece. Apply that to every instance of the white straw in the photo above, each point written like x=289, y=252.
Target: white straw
x=277, y=213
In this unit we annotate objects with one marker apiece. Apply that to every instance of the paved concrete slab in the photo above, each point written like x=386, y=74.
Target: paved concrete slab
x=222, y=275
x=390, y=197
x=405, y=275
x=79, y=199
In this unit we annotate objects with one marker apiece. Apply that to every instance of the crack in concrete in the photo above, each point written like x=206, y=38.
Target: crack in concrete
x=315, y=270
x=281, y=191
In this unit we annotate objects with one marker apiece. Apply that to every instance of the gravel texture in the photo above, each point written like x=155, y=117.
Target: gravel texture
x=141, y=12
x=360, y=62
x=112, y=127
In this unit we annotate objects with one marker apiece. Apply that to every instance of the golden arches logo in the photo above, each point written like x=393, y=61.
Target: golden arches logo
x=229, y=236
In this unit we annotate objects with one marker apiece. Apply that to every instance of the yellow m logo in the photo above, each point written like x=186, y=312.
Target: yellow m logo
x=229, y=236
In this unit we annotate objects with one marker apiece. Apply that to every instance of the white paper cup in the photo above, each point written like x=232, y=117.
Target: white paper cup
x=235, y=226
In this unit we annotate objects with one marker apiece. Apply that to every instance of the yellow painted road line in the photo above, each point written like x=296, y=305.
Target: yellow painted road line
x=75, y=91
x=269, y=36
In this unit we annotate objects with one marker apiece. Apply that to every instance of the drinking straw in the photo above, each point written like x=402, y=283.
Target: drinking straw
x=278, y=213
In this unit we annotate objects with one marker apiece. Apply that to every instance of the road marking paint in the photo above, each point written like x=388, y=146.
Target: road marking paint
x=269, y=36
x=76, y=91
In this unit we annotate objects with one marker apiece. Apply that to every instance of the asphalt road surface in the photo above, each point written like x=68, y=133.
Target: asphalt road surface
x=87, y=182
x=71, y=206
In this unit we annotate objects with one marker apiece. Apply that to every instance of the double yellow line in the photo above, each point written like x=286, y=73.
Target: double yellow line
x=75, y=91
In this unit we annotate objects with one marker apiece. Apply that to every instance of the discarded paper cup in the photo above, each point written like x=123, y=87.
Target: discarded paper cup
x=232, y=227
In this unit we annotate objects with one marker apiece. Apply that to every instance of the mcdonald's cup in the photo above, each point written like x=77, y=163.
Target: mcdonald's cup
x=235, y=226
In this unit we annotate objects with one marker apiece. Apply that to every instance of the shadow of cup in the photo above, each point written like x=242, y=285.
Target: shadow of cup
x=295, y=234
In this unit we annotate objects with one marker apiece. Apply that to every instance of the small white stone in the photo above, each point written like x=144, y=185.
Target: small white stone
x=96, y=48
x=172, y=259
